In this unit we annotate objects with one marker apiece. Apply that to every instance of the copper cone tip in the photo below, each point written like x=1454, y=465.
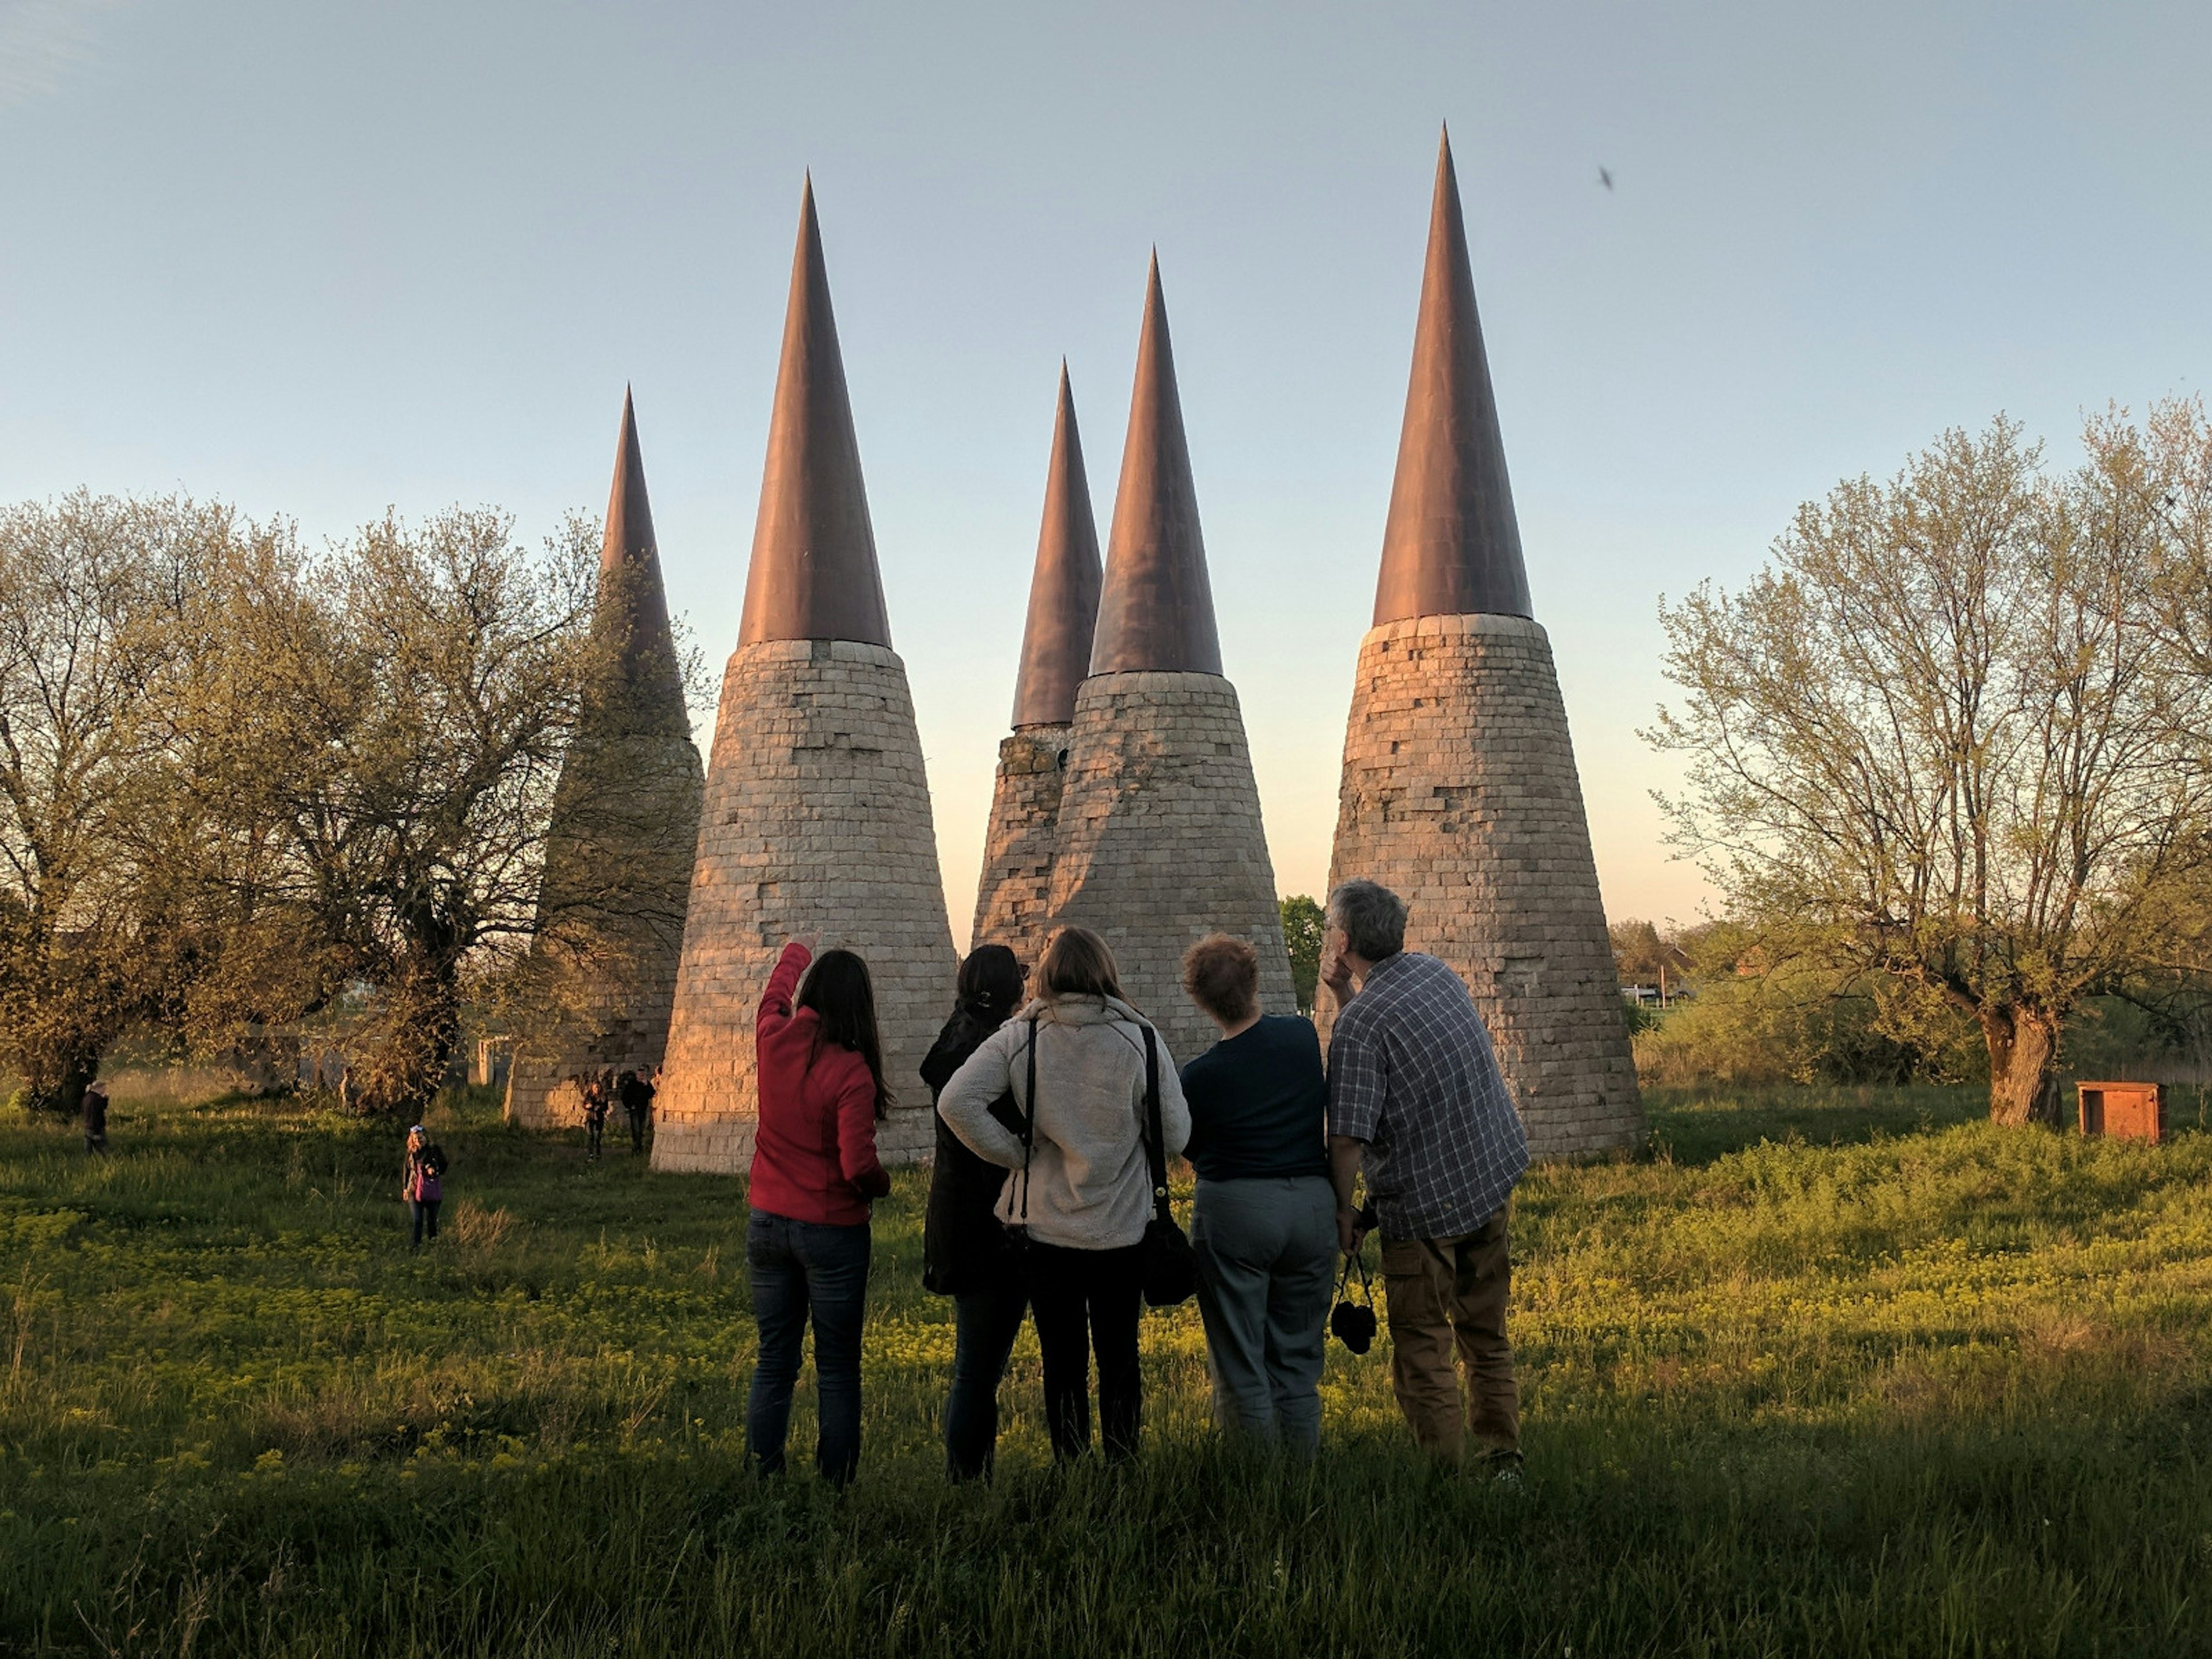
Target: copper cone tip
x=630, y=614
x=629, y=535
x=1452, y=546
x=1064, y=587
x=813, y=574
x=1156, y=609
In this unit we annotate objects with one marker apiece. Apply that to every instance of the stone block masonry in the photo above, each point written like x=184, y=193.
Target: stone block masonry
x=1013, y=901
x=1460, y=795
x=629, y=1036
x=817, y=821
x=1160, y=842
x=617, y=878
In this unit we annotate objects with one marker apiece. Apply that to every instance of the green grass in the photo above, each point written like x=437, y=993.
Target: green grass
x=1841, y=1372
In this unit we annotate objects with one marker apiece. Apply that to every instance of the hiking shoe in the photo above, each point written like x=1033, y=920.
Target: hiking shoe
x=1504, y=1471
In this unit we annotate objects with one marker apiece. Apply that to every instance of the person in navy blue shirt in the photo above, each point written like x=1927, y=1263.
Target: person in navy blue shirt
x=1264, y=1227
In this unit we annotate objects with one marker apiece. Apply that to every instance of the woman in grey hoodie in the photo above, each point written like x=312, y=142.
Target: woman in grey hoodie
x=1080, y=1195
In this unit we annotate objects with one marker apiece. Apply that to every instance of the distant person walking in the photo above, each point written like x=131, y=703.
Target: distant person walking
x=1081, y=1193
x=1264, y=1226
x=814, y=1170
x=95, y=1109
x=1415, y=1092
x=964, y=1251
x=596, y=1106
x=423, y=1182
x=636, y=1097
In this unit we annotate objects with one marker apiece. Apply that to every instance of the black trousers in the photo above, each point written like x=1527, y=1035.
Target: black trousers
x=1086, y=1303
x=637, y=1130
x=986, y=1321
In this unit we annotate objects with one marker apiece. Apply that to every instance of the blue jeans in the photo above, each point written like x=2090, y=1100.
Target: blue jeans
x=794, y=1268
x=425, y=1215
x=1266, y=1263
x=986, y=1323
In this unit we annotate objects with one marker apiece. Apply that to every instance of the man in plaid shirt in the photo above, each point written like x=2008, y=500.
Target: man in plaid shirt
x=1414, y=1091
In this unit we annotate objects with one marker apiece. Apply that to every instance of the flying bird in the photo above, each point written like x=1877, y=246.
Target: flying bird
x=1605, y=178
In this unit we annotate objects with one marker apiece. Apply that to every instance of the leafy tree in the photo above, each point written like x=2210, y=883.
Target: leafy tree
x=1760, y=1018
x=1303, y=924
x=392, y=720
x=2164, y=471
x=93, y=591
x=1942, y=738
x=1642, y=957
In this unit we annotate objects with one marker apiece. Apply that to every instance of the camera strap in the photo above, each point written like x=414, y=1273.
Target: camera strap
x=1344, y=1279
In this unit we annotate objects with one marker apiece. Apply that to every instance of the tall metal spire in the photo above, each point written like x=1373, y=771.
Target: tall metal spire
x=629, y=538
x=631, y=617
x=1156, y=610
x=813, y=573
x=1064, y=588
x=1452, y=546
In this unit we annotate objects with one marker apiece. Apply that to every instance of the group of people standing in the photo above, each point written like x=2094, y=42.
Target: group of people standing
x=1055, y=1116
x=602, y=1092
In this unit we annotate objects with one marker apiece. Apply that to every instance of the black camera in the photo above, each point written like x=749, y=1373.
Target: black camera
x=1352, y=1323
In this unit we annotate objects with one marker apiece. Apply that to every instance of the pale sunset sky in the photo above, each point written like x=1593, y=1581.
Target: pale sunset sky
x=316, y=259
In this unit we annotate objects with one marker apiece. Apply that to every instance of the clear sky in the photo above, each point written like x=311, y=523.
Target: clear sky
x=319, y=258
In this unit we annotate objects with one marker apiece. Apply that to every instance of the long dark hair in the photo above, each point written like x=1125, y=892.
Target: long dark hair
x=989, y=987
x=841, y=993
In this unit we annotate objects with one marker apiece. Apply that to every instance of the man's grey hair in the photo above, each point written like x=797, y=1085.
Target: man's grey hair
x=1373, y=918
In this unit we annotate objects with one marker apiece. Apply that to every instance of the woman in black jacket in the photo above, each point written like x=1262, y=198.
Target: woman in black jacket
x=964, y=1254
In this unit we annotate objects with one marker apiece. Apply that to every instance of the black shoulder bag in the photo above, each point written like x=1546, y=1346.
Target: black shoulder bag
x=1170, y=1264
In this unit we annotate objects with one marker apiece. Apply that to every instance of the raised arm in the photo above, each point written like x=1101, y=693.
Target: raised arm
x=782, y=985
x=965, y=1104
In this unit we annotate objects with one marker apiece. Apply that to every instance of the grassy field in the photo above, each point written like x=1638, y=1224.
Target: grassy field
x=1831, y=1373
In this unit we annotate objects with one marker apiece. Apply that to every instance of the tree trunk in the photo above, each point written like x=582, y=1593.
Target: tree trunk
x=413, y=1037
x=2023, y=1044
x=55, y=1080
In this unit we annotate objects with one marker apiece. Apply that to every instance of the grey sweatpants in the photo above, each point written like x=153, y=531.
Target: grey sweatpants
x=1267, y=1262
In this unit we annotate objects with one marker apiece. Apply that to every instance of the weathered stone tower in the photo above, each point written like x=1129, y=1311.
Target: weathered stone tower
x=817, y=817
x=1160, y=838
x=1459, y=790
x=625, y=824
x=1013, y=901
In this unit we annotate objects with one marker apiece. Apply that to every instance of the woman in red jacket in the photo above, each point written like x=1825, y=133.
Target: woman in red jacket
x=821, y=1075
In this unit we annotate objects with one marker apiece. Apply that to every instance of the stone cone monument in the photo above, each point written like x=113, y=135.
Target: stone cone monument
x=1160, y=838
x=817, y=815
x=1013, y=901
x=625, y=824
x=1459, y=789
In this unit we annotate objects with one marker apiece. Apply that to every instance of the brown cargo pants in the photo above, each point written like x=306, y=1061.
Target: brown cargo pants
x=1446, y=1296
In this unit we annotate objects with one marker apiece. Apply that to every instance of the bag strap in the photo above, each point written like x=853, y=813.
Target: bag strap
x=1155, y=1157
x=1028, y=1121
x=1344, y=1279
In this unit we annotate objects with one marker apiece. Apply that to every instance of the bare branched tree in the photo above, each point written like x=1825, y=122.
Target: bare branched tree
x=1940, y=737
